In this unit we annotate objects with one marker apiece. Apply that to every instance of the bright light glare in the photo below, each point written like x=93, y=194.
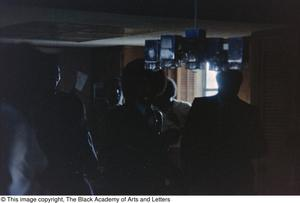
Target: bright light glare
x=211, y=81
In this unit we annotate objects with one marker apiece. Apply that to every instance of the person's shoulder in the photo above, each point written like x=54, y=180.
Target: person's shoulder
x=247, y=106
x=12, y=120
x=182, y=104
x=10, y=113
x=201, y=100
x=181, y=107
x=6, y=108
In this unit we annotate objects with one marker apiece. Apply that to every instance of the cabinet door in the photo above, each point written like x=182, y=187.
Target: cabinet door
x=273, y=61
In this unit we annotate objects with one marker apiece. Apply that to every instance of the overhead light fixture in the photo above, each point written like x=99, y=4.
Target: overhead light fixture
x=173, y=51
x=194, y=50
x=152, y=54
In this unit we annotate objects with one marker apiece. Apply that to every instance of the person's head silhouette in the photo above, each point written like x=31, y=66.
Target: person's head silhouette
x=140, y=84
x=26, y=72
x=229, y=82
x=134, y=81
x=167, y=97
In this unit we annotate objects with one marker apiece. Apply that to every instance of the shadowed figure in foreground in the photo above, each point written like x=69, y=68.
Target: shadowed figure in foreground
x=222, y=139
x=21, y=86
x=175, y=113
x=65, y=139
x=45, y=147
x=131, y=144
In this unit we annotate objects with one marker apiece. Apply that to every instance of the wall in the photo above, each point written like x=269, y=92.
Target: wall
x=275, y=81
x=132, y=52
x=245, y=90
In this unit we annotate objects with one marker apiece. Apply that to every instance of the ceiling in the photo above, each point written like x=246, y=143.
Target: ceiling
x=256, y=11
x=117, y=22
x=63, y=31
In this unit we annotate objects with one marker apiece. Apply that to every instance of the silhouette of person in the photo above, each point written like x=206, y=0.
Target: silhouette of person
x=21, y=159
x=42, y=129
x=113, y=97
x=43, y=139
x=175, y=113
x=73, y=161
x=65, y=139
x=131, y=142
x=222, y=139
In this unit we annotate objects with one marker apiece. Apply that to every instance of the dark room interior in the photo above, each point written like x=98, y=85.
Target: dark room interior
x=94, y=42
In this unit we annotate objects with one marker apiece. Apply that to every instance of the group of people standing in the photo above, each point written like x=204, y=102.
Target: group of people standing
x=151, y=144
x=171, y=147
x=46, y=147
